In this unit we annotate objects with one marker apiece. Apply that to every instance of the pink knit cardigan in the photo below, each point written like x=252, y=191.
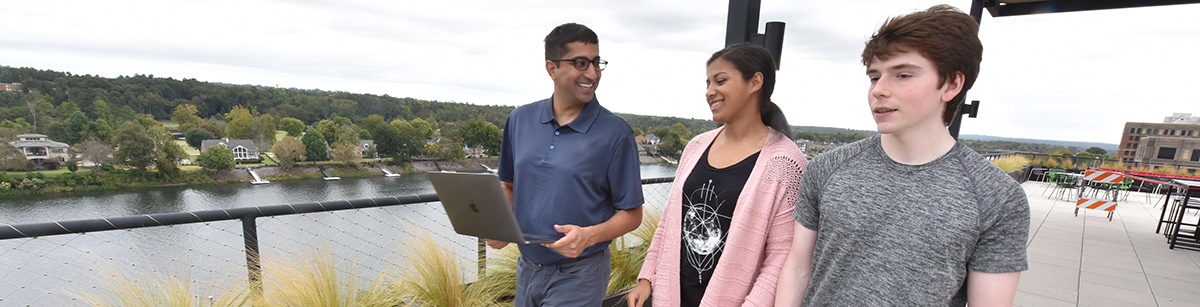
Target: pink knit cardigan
x=760, y=233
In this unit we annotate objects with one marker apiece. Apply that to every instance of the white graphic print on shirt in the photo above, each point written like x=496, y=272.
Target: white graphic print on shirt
x=701, y=229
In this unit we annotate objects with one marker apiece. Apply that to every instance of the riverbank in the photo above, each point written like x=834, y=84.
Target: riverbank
x=60, y=181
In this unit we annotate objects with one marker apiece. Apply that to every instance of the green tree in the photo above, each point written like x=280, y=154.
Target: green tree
x=387, y=137
x=289, y=150
x=328, y=129
x=345, y=154
x=239, y=124
x=77, y=128
x=216, y=157
x=167, y=152
x=445, y=149
x=293, y=127
x=263, y=131
x=671, y=144
x=410, y=142
x=11, y=158
x=423, y=127
x=65, y=109
x=476, y=132
x=347, y=135
x=314, y=145
x=185, y=116
x=196, y=136
x=134, y=146
x=1097, y=151
x=103, y=111
x=103, y=129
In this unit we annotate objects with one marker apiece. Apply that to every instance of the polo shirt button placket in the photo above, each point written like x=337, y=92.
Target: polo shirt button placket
x=555, y=134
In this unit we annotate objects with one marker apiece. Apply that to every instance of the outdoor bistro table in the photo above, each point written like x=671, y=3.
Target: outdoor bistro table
x=1078, y=178
x=1190, y=188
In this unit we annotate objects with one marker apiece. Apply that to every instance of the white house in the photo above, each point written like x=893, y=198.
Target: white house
x=38, y=148
x=242, y=149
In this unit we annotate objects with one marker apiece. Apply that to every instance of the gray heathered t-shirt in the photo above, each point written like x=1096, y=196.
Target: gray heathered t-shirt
x=890, y=234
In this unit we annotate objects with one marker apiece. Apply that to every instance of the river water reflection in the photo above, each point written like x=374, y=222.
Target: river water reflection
x=99, y=204
x=55, y=270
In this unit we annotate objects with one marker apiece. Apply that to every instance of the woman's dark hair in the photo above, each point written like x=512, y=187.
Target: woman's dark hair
x=750, y=59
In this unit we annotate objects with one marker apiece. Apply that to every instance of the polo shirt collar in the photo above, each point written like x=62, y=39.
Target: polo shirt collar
x=582, y=123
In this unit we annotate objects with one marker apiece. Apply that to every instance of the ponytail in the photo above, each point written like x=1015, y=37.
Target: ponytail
x=773, y=117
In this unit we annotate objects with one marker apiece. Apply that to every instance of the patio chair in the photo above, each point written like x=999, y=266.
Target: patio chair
x=1125, y=186
x=1052, y=175
x=1062, y=183
x=1039, y=172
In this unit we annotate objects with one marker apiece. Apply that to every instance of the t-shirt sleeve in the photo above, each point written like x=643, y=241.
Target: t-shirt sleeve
x=809, y=196
x=1001, y=246
x=506, y=152
x=625, y=175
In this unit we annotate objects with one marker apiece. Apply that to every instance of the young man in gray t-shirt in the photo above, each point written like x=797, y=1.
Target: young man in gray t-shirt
x=911, y=216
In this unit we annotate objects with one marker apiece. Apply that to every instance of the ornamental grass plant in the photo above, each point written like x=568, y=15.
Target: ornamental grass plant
x=1012, y=163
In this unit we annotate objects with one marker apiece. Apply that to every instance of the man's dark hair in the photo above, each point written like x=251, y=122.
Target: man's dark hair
x=944, y=35
x=557, y=40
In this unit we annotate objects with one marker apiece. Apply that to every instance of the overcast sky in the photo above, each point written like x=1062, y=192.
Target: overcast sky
x=1067, y=76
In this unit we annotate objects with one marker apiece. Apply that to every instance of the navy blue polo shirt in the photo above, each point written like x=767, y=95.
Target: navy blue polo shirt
x=577, y=174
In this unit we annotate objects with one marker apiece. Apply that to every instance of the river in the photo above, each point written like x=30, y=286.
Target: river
x=57, y=270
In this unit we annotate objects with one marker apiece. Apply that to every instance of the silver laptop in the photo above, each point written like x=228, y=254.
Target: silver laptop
x=477, y=206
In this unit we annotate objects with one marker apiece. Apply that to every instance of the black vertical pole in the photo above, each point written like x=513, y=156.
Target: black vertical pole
x=253, y=262
x=742, y=27
x=977, y=13
x=743, y=21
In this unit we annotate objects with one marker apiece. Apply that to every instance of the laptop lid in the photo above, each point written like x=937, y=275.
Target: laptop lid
x=477, y=206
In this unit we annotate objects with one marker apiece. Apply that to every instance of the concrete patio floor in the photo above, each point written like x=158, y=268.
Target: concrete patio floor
x=1091, y=261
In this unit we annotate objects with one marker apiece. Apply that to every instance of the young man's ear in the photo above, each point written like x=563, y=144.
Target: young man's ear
x=953, y=86
x=550, y=66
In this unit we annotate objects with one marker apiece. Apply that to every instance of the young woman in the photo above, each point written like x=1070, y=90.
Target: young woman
x=727, y=226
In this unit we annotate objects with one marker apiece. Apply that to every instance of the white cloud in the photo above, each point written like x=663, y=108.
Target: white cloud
x=1069, y=76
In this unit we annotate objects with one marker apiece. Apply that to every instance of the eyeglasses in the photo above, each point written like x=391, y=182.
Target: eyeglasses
x=582, y=63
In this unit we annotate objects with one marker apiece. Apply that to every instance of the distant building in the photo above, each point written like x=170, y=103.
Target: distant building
x=1182, y=118
x=1181, y=152
x=1175, y=141
x=242, y=149
x=652, y=139
x=363, y=145
x=38, y=148
x=10, y=87
x=474, y=152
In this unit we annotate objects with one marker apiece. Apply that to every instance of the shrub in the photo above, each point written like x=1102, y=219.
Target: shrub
x=1012, y=163
x=435, y=279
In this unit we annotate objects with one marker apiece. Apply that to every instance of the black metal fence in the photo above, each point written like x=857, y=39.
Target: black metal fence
x=55, y=263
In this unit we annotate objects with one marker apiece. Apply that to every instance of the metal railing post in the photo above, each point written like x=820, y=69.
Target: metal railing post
x=482, y=254
x=253, y=262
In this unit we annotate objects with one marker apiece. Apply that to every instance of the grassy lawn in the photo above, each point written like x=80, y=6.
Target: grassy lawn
x=60, y=171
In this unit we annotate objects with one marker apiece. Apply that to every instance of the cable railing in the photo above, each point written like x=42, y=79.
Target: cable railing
x=57, y=263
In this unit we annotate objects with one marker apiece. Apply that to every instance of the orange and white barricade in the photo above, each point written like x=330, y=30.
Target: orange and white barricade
x=1101, y=177
x=1096, y=204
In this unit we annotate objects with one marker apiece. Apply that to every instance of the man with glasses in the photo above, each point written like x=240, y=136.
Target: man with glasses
x=570, y=168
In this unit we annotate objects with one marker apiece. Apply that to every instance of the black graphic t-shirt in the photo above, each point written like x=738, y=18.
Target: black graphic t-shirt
x=709, y=196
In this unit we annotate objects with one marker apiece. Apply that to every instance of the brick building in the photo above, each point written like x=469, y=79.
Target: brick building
x=1175, y=142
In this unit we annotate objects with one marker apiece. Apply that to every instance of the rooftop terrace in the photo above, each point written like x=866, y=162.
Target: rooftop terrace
x=1091, y=261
